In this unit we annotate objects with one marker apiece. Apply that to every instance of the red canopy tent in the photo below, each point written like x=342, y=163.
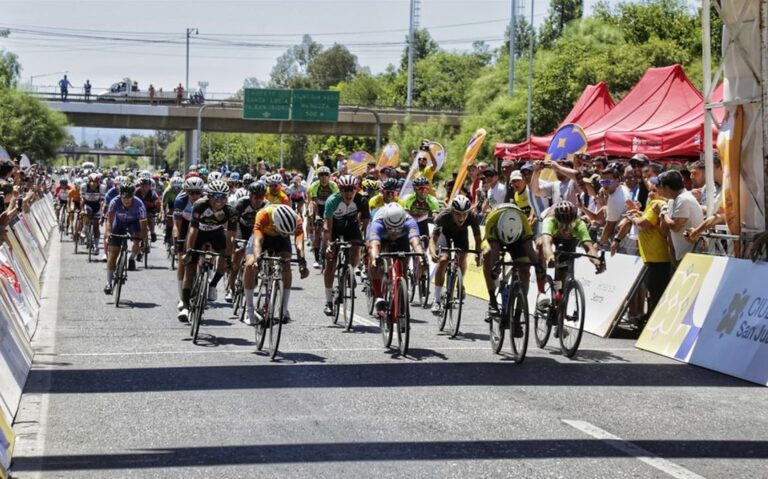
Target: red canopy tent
x=594, y=102
x=662, y=116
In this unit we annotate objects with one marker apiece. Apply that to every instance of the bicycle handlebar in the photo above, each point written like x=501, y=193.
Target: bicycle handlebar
x=573, y=254
x=440, y=250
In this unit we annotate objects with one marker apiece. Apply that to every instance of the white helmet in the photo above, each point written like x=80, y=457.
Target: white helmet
x=393, y=216
x=510, y=225
x=217, y=186
x=76, y=183
x=213, y=176
x=275, y=179
x=119, y=180
x=284, y=219
x=145, y=175
x=177, y=182
x=323, y=170
x=461, y=204
x=194, y=183
x=241, y=193
x=347, y=180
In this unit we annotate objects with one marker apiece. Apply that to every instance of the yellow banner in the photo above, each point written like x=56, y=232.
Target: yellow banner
x=7, y=441
x=473, y=148
x=729, y=145
x=390, y=156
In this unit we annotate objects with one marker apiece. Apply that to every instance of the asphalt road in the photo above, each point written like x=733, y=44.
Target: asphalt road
x=123, y=392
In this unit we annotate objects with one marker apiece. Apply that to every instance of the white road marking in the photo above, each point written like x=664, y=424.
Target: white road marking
x=633, y=450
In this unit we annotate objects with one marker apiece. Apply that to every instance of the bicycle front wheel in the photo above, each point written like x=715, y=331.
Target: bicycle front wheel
x=348, y=298
x=200, y=299
x=424, y=291
x=369, y=299
x=261, y=311
x=544, y=313
x=496, y=324
x=456, y=299
x=275, y=320
x=447, y=299
x=518, y=323
x=385, y=321
x=117, y=277
x=571, y=318
x=403, y=318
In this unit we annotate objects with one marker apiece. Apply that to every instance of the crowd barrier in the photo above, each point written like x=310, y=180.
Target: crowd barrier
x=22, y=259
x=714, y=314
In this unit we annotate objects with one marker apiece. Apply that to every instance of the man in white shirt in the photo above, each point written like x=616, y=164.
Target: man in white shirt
x=564, y=189
x=616, y=205
x=682, y=210
x=495, y=190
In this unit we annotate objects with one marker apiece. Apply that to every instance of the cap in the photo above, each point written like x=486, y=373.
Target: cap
x=490, y=171
x=516, y=175
x=527, y=166
x=640, y=159
x=507, y=163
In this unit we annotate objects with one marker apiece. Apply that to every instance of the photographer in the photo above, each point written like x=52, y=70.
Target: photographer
x=424, y=156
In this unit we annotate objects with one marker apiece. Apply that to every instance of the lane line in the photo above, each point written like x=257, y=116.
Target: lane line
x=633, y=450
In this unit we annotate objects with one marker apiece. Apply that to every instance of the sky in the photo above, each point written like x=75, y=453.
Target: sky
x=106, y=40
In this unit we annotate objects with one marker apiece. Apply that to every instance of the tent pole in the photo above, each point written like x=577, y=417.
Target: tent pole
x=706, y=43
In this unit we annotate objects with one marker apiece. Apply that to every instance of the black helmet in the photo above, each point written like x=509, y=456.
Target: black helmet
x=257, y=188
x=420, y=181
x=390, y=184
x=565, y=212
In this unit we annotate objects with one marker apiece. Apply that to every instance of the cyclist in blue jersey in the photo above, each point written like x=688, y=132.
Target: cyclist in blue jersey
x=182, y=215
x=125, y=215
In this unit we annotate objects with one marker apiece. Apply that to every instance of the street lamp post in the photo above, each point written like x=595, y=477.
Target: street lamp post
x=198, y=149
x=190, y=31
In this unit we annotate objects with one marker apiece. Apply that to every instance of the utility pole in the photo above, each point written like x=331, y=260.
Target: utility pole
x=411, y=32
x=512, y=21
x=530, y=78
x=190, y=31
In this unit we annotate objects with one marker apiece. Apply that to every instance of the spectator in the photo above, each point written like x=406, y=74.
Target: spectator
x=64, y=85
x=564, y=188
x=616, y=204
x=427, y=163
x=681, y=212
x=495, y=191
x=699, y=182
x=639, y=194
x=87, y=90
x=179, y=90
x=151, y=91
x=517, y=190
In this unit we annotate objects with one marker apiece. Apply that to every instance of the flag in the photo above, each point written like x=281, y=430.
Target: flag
x=439, y=153
x=473, y=148
x=390, y=156
x=729, y=144
x=568, y=140
x=358, y=162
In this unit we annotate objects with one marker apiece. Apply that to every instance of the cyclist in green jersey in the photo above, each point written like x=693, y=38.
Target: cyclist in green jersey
x=567, y=231
x=317, y=194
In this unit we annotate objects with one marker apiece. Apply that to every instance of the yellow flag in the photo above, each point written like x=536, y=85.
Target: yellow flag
x=358, y=162
x=729, y=144
x=390, y=156
x=473, y=148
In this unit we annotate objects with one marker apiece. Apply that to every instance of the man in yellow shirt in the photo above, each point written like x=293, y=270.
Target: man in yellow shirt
x=424, y=156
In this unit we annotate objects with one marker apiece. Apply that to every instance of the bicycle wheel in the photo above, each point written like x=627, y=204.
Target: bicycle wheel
x=348, y=298
x=261, y=311
x=496, y=324
x=385, y=321
x=411, y=285
x=424, y=291
x=456, y=298
x=117, y=277
x=369, y=299
x=200, y=300
x=89, y=241
x=447, y=299
x=194, y=294
x=75, y=239
x=545, y=304
x=338, y=294
x=403, y=318
x=146, y=258
x=519, y=323
x=571, y=319
x=275, y=321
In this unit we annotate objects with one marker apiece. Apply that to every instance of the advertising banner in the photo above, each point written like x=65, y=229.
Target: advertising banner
x=390, y=156
x=7, y=441
x=29, y=244
x=15, y=361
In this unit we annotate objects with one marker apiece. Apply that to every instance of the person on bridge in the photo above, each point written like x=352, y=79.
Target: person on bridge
x=179, y=93
x=64, y=85
x=87, y=90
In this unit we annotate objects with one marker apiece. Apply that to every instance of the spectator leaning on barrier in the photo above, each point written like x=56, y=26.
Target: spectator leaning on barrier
x=616, y=205
x=699, y=183
x=681, y=212
x=495, y=190
x=638, y=164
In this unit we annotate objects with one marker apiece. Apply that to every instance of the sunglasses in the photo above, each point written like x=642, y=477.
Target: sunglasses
x=127, y=194
x=194, y=193
x=422, y=188
x=606, y=182
x=219, y=196
x=323, y=174
x=347, y=190
x=388, y=192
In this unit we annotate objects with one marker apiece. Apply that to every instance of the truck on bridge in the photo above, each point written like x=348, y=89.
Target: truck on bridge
x=128, y=90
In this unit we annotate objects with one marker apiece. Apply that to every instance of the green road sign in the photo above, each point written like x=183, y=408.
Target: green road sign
x=315, y=105
x=267, y=104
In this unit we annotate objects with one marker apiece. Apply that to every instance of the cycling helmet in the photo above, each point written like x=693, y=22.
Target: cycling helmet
x=241, y=193
x=217, y=186
x=145, y=181
x=257, y=188
x=460, y=204
x=145, y=175
x=323, y=170
x=284, y=219
x=565, y=212
x=393, y=215
x=370, y=185
x=194, y=184
x=235, y=176
x=346, y=181
x=193, y=174
x=128, y=186
x=390, y=184
x=63, y=181
x=275, y=179
x=247, y=178
x=177, y=183
x=420, y=181
x=76, y=183
x=119, y=180
x=510, y=225
x=93, y=177
x=202, y=170
x=213, y=176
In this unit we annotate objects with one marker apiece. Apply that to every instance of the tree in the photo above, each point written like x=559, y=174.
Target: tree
x=523, y=34
x=29, y=126
x=122, y=142
x=331, y=67
x=290, y=71
x=10, y=69
x=442, y=79
x=363, y=90
x=561, y=12
x=423, y=45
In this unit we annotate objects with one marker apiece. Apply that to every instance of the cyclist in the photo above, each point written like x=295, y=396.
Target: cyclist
x=451, y=231
x=317, y=194
x=507, y=230
x=246, y=209
x=275, y=193
x=392, y=230
x=565, y=230
x=61, y=192
x=421, y=205
x=73, y=207
x=92, y=193
x=182, y=215
x=166, y=207
x=272, y=229
x=346, y=215
x=147, y=194
x=298, y=194
x=213, y=223
x=124, y=215
x=390, y=190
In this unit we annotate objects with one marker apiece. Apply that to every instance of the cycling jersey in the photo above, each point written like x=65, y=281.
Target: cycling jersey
x=378, y=232
x=279, y=198
x=445, y=225
x=493, y=219
x=113, y=193
x=61, y=192
x=343, y=213
x=74, y=195
x=297, y=193
x=319, y=193
x=126, y=218
x=378, y=201
x=578, y=230
x=264, y=227
x=92, y=196
x=169, y=196
x=206, y=219
x=421, y=209
x=182, y=207
x=150, y=199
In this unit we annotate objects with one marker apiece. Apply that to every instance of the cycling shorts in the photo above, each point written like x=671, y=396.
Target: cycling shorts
x=459, y=240
x=216, y=238
x=347, y=232
x=277, y=244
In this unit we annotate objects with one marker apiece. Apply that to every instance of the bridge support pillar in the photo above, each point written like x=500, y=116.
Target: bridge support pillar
x=190, y=149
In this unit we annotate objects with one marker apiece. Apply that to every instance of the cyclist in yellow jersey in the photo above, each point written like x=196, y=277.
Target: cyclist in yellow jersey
x=423, y=157
x=275, y=194
x=507, y=229
x=389, y=194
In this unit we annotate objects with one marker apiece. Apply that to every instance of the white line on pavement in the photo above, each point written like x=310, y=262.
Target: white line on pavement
x=633, y=450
